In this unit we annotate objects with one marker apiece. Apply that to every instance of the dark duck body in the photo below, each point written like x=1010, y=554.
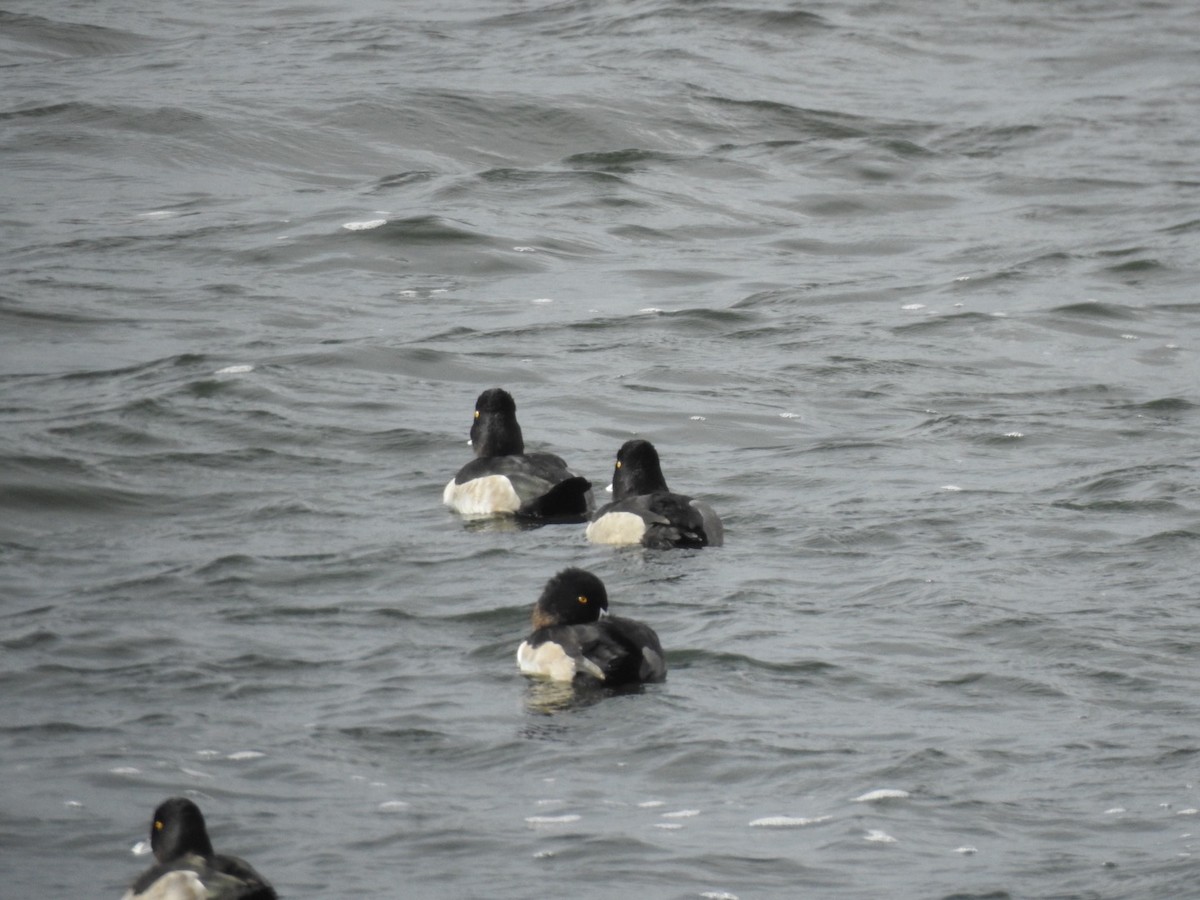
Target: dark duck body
x=645, y=511
x=571, y=642
x=505, y=480
x=187, y=868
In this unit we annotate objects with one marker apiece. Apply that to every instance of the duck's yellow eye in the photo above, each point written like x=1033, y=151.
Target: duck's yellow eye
x=618, y=464
x=477, y=414
x=158, y=825
x=582, y=599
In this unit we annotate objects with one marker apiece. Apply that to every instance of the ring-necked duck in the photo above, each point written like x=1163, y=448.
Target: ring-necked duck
x=187, y=867
x=571, y=642
x=504, y=479
x=645, y=511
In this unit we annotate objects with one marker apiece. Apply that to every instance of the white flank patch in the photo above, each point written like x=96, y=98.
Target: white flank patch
x=617, y=528
x=245, y=754
x=392, y=805
x=484, y=496
x=553, y=820
x=548, y=660
x=879, y=837
x=365, y=225
x=882, y=794
x=787, y=821
x=234, y=370
x=181, y=884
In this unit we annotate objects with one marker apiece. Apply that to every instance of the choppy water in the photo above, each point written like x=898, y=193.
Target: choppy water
x=908, y=293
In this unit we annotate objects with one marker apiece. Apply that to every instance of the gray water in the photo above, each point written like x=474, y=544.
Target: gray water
x=907, y=292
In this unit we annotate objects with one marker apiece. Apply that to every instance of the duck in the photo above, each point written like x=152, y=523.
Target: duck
x=503, y=479
x=645, y=511
x=574, y=640
x=187, y=868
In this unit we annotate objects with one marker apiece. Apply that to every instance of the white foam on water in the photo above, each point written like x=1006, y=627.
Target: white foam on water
x=789, y=415
x=234, y=370
x=125, y=770
x=239, y=755
x=1014, y=434
x=649, y=804
x=525, y=249
x=879, y=837
x=951, y=487
x=668, y=826
x=719, y=895
x=681, y=814
x=787, y=821
x=195, y=773
x=141, y=848
x=1191, y=811
x=366, y=225
x=542, y=300
x=967, y=850
x=881, y=794
x=699, y=418
x=392, y=806
x=911, y=306
x=208, y=753
x=553, y=820
x=1114, y=811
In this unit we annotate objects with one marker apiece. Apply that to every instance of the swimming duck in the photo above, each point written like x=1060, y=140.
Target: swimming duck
x=504, y=479
x=645, y=511
x=187, y=867
x=571, y=642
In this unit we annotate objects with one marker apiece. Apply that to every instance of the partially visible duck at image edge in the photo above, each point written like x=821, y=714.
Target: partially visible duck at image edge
x=505, y=480
x=187, y=867
x=645, y=511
